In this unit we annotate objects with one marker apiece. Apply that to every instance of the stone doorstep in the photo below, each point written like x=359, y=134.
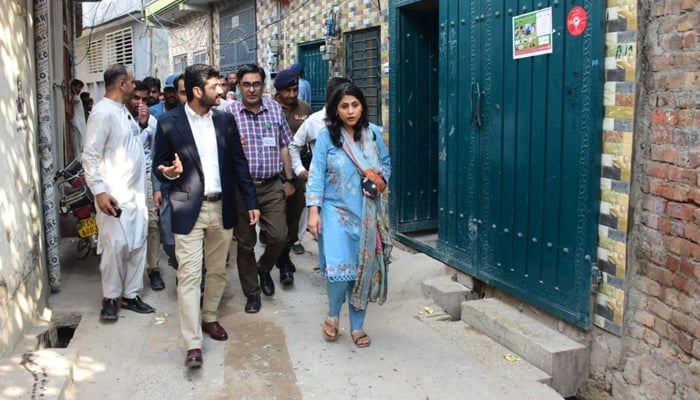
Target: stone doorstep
x=487, y=352
x=556, y=354
x=449, y=294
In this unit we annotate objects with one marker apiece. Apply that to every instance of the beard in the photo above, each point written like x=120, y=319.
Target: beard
x=210, y=102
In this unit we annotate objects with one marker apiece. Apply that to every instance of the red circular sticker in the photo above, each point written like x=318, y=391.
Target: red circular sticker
x=576, y=21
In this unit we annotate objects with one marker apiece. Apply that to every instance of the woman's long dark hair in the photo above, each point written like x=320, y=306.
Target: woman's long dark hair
x=333, y=121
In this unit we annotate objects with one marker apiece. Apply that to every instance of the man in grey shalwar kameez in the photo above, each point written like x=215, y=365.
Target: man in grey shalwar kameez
x=115, y=171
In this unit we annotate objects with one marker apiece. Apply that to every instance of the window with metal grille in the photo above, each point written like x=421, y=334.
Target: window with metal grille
x=363, y=67
x=237, y=32
x=120, y=47
x=179, y=63
x=200, y=57
x=95, y=53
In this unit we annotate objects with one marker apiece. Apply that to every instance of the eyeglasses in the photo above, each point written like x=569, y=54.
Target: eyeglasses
x=254, y=85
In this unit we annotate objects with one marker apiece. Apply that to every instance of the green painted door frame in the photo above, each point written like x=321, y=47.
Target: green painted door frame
x=518, y=145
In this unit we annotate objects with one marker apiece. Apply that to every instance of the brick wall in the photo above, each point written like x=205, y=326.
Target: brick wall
x=659, y=355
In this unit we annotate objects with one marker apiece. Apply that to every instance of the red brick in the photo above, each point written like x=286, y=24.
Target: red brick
x=686, y=323
x=694, y=250
x=689, y=40
x=692, y=232
x=650, y=220
x=682, y=247
x=644, y=318
x=685, y=284
x=657, y=169
x=648, y=286
x=673, y=7
x=678, y=80
x=693, y=155
x=672, y=262
x=662, y=328
x=685, y=303
x=670, y=298
x=684, y=138
x=670, y=154
x=678, y=228
x=686, y=118
x=683, y=175
x=661, y=134
x=661, y=63
x=664, y=117
x=688, y=22
x=655, y=204
x=661, y=275
x=694, y=195
x=660, y=309
x=687, y=267
x=666, y=330
x=668, y=190
x=685, y=342
x=664, y=225
x=681, y=210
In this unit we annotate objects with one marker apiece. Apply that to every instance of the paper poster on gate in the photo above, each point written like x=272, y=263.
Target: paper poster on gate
x=532, y=33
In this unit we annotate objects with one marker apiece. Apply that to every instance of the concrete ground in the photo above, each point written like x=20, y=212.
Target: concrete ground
x=278, y=353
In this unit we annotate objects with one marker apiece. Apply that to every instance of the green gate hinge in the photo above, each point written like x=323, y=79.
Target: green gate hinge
x=596, y=278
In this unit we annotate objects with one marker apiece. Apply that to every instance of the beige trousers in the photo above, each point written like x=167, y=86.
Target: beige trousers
x=208, y=235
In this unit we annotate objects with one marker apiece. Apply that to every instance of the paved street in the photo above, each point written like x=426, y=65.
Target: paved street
x=278, y=353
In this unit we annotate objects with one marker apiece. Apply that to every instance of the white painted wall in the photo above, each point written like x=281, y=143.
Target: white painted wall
x=150, y=43
x=23, y=280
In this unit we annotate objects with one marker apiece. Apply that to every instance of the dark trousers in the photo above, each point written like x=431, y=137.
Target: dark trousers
x=273, y=221
x=295, y=205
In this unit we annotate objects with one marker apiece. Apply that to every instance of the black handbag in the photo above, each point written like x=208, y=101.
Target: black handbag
x=306, y=154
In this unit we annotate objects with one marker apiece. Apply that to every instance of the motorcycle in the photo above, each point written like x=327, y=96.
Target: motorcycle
x=77, y=199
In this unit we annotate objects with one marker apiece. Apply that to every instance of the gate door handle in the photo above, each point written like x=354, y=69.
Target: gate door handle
x=476, y=101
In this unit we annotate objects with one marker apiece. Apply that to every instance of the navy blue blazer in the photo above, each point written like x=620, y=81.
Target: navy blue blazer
x=174, y=135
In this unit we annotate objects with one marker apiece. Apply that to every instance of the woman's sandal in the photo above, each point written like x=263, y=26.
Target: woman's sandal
x=330, y=329
x=361, y=339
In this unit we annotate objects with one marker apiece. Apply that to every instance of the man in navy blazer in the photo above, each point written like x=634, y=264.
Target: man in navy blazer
x=199, y=154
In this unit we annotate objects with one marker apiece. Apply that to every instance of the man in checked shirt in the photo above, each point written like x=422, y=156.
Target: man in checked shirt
x=265, y=135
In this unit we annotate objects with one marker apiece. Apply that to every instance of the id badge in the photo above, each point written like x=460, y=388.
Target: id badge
x=269, y=142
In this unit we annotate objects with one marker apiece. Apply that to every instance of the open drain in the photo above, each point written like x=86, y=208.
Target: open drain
x=65, y=325
x=64, y=335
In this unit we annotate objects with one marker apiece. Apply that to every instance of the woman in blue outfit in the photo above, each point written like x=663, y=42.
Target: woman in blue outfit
x=349, y=170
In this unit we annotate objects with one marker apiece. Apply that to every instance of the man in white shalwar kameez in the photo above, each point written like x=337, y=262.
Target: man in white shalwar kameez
x=115, y=171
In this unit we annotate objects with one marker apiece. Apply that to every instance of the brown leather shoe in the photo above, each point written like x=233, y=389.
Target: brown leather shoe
x=194, y=358
x=215, y=330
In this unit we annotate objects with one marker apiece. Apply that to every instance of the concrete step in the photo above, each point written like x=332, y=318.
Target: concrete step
x=565, y=360
x=447, y=293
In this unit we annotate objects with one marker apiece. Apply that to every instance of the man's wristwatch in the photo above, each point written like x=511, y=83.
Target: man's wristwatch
x=289, y=180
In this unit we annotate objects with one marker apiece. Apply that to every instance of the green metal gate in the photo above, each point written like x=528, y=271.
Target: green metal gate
x=519, y=148
x=315, y=71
